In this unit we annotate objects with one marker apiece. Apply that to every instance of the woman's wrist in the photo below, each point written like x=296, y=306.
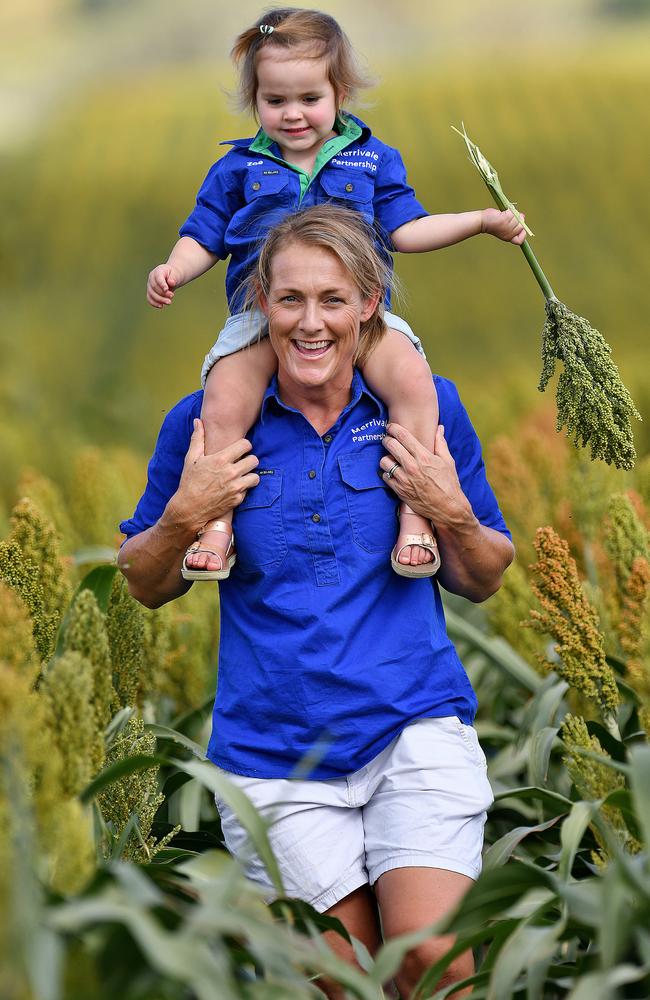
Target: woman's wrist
x=179, y=519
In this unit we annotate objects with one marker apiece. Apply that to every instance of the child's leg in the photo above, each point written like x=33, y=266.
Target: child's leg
x=399, y=375
x=231, y=404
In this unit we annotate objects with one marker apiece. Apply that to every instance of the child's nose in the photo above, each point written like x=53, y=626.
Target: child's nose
x=292, y=112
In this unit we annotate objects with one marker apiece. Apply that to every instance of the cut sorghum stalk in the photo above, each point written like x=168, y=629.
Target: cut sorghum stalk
x=592, y=402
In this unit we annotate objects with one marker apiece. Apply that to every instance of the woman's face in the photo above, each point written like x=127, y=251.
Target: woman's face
x=315, y=310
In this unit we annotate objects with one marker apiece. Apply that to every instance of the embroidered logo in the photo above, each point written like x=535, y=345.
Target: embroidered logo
x=372, y=430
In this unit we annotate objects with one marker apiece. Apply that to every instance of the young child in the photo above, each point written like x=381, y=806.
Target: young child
x=297, y=69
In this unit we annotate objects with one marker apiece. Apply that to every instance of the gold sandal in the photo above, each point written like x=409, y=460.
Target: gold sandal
x=426, y=540
x=211, y=574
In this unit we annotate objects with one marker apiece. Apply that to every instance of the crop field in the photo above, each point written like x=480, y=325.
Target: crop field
x=101, y=195
x=114, y=881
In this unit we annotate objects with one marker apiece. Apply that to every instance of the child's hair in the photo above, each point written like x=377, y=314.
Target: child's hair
x=297, y=27
x=347, y=235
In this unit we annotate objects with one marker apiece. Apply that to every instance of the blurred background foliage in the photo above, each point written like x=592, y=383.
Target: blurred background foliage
x=111, y=113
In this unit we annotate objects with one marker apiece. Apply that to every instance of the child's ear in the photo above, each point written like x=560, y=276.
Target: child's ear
x=341, y=98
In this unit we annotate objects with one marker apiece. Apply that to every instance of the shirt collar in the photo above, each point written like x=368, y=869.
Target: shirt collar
x=358, y=387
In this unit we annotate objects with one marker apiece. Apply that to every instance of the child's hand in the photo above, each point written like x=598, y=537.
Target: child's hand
x=502, y=225
x=161, y=284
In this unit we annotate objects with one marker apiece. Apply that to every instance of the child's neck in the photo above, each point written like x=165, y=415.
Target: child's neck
x=305, y=161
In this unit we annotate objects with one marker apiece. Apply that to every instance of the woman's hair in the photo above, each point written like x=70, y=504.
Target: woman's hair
x=297, y=27
x=348, y=236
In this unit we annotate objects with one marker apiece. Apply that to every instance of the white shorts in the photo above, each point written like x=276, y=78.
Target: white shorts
x=244, y=329
x=420, y=803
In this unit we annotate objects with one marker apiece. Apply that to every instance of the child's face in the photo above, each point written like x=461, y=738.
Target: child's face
x=296, y=103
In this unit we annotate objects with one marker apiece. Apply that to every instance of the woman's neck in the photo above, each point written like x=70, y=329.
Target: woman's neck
x=321, y=405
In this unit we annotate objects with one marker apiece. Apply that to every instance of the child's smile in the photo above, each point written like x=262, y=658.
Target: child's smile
x=296, y=103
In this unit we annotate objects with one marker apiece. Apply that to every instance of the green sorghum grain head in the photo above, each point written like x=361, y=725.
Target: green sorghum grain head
x=625, y=537
x=39, y=543
x=135, y=793
x=23, y=576
x=592, y=402
x=190, y=667
x=67, y=691
x=48, y=498
x=125, y=628
x=595, y=781
x=86, y=633
x=16, y=636
x=634, y=633
x=72, y=856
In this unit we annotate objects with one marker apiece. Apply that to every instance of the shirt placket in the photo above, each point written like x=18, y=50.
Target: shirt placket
x=312, y=496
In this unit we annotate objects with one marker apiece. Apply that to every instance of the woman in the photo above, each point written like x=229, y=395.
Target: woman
x=324, y=650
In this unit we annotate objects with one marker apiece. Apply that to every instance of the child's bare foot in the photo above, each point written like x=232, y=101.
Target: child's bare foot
x=212, y=556
x=417, y=560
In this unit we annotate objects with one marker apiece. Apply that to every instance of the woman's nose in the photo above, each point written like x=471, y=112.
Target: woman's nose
x=310, y=319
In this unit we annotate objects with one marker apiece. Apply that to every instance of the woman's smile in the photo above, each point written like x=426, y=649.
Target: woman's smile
x=313, y=348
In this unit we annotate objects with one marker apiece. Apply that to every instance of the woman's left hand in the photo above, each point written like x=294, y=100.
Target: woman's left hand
x=426, y=481
x=474, y=556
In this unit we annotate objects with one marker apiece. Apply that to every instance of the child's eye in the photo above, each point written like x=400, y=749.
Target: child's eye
x=274, y=100
x=311, y=99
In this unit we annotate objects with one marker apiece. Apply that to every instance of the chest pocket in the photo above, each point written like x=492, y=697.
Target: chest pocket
x=261, y=185
x=350, y=186
x=259, y=533
x=372, y=505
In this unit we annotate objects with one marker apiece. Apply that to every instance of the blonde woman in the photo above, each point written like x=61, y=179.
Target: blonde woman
x=322, y=646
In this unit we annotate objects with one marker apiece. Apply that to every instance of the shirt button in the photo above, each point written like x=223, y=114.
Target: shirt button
x=312, y=473
x=315, y=518
x=256, y=186
x=349, y=187
x=327, y=438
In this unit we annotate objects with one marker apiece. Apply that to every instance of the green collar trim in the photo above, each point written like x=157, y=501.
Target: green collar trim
x=348, y=131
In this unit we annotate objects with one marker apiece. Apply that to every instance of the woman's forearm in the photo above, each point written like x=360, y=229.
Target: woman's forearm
x=151, y=561
x=474, y=558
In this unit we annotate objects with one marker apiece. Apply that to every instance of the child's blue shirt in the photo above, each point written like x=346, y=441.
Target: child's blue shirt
x=252, y=188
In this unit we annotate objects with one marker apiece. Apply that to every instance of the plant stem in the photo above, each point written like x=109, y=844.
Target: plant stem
x=526, y=248
x=535, y=267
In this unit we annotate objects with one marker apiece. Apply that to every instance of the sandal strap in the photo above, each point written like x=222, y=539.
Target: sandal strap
x=215, y=526
x=425, y=541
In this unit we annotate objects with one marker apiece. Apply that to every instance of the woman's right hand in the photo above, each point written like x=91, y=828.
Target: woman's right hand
x=210, y=485
x=161, y=284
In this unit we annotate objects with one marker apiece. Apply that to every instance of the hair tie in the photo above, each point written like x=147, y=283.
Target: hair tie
x=266, y=29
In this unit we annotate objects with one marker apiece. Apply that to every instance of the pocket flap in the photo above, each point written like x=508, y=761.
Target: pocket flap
x=360, y=472
x=351, y=185
x=259, y=184
x=266, y=492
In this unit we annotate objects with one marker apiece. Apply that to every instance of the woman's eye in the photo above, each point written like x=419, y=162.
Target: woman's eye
x=334, y=300
x=288, y=298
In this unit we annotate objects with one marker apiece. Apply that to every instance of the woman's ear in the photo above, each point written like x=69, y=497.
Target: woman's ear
x=369, y=306
x=262, y=302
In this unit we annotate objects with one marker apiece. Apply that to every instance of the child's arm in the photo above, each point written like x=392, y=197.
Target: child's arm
x=187, y=261
x=399, y=375
x=432, y=232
